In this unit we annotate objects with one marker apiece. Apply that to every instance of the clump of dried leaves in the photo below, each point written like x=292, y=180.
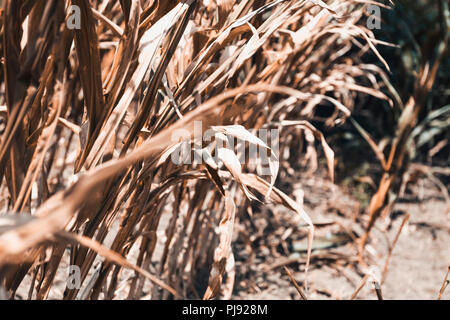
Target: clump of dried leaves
x=88, y=118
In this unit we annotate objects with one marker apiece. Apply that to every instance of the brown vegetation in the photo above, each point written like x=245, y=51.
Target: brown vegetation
x=89, y=115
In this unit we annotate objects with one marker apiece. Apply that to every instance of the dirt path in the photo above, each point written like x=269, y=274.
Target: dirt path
x=417, y=266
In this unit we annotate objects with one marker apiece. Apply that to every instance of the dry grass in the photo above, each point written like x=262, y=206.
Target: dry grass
x=90, y=113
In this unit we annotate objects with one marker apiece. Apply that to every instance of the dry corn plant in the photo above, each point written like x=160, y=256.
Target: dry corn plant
x=395, y=161
x=88, y=177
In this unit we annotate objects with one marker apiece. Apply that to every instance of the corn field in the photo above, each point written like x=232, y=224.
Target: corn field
x=96, y=98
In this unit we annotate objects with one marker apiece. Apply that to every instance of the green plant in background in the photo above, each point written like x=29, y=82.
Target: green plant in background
x=418, y=87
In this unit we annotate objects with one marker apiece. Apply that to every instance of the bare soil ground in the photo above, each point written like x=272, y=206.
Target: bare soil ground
x=417, y=266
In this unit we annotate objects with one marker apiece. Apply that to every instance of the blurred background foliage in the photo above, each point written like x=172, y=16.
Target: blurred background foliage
x=414, y=28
